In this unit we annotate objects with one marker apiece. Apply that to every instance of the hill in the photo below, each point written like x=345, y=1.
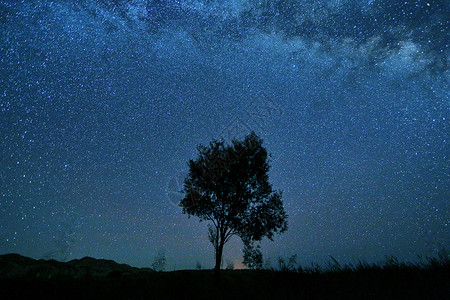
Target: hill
x=15, y=266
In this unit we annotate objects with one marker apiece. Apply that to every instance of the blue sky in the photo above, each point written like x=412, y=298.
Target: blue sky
x=102, y=104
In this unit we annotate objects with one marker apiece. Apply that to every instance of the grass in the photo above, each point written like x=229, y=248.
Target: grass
x=390, y=279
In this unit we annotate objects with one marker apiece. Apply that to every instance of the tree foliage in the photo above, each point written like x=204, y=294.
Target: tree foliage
x=253, y=258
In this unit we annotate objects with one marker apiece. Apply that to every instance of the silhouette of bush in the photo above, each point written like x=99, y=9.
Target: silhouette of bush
x=287, y=265
x=198, y=265
x=230, y=265
x=159, y=263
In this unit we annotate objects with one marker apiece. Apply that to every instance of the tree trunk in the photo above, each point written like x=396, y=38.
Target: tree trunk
x=219, y=252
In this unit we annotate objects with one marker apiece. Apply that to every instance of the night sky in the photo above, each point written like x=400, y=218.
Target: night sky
x=102, y=103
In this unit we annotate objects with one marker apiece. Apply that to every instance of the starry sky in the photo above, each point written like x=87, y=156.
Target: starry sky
x=102, y=103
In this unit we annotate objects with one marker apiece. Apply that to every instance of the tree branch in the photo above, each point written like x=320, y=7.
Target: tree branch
x=228, y=235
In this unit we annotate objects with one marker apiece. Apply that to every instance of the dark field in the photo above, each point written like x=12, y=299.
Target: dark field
x=394, y=282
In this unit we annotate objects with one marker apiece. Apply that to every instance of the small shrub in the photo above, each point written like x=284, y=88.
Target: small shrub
x=159, y=264
x=230, y=265
x=288, y=265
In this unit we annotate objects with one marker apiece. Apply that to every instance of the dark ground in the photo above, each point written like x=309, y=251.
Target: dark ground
x=373, y=283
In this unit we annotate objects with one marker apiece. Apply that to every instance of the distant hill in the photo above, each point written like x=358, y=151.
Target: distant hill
x=18, y=266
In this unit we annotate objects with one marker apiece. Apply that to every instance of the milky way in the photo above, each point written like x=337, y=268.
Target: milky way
x=102, y=103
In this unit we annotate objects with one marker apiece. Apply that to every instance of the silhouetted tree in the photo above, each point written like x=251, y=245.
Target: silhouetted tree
x=230, y=265
x=228, y=186
x=198, y=265
x=159, y=263
x=253, y=258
